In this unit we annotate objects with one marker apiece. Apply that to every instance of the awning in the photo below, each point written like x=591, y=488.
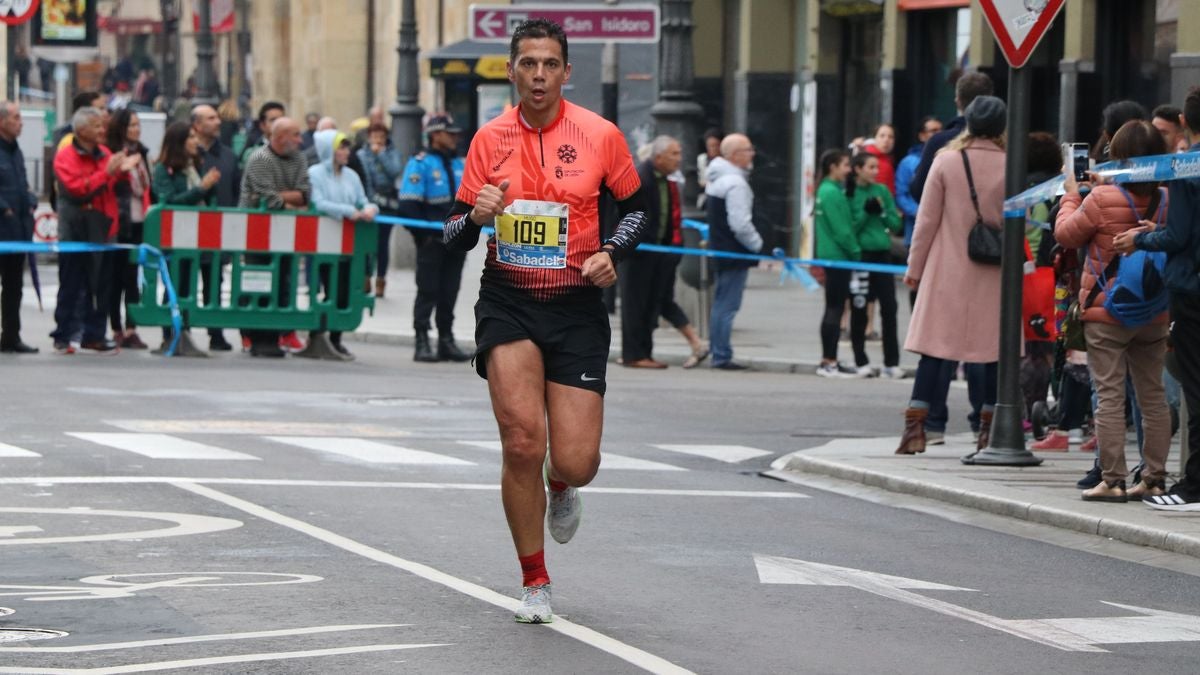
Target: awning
x=849, y=8
x=910, y=5
x=468, y=58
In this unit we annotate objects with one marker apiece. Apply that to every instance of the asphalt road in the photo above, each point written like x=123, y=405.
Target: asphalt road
x=232, y=515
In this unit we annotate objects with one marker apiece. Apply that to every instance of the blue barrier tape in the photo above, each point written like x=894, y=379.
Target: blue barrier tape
x=1152, y=168
x=796, y=263
x=145, y=251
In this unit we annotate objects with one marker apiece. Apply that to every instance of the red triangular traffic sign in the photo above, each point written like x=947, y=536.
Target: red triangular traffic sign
x=1019, y=25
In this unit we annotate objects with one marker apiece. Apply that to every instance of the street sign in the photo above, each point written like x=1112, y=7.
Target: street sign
x=1069, y=634
x=17, y=12
x=582, y=23
x=1019, y=25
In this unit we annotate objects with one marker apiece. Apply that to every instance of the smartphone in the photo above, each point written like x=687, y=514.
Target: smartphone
x=1075, y=155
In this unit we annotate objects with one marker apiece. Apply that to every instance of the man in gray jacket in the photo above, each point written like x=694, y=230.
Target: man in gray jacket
x=730, y=206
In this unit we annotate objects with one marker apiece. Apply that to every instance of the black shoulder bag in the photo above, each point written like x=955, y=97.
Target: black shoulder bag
x=985, y=242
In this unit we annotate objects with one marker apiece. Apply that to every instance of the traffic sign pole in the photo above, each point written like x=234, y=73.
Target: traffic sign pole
x=1007, y=447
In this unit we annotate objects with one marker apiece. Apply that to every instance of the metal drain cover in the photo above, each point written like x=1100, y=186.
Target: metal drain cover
x=29, y=634
x=398, y=402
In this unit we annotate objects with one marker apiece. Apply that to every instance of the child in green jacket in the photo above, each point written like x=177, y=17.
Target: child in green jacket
x=875, y=218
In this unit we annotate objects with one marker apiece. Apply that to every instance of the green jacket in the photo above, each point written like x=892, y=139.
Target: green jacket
x=872, y=231
x=834, y=225
x=173, y=189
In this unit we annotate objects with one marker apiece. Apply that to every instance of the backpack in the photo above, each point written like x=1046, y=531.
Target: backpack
x=1137, y=292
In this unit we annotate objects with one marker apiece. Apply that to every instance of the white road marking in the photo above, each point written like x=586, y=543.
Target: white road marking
x=282, y=482
x=7, y=450
x=865, y=581
x=731, y=454
x=608, y=460
x=161, y=446
x=373, y=452
x=13, y=530
x=631, y=654
x=775, y=570
x=187, y=640
x=215, y=660
x=256, y=428
x=185, y=524
x=1153, y=626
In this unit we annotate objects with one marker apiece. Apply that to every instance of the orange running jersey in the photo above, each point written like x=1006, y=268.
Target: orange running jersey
x=555, y=174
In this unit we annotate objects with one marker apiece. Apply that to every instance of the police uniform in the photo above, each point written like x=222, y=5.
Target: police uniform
x=428, y=184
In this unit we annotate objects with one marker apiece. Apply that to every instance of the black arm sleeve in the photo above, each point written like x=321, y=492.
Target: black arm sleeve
x=629, y=230
x=459, y=233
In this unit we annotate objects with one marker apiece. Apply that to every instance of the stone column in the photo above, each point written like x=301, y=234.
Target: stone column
x=1185, y=62
x=406, y=114
x=207, y=90
x=677, y=113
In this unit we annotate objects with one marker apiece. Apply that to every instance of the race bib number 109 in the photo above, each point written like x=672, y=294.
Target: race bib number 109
x=533, y=234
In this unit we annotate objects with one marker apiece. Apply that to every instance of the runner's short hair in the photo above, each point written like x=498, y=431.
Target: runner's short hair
x=537, y=28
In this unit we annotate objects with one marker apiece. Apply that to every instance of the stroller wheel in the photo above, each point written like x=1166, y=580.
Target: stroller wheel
x=1039, y=418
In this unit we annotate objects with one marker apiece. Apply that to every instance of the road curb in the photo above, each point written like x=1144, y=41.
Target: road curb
x=1119, y=530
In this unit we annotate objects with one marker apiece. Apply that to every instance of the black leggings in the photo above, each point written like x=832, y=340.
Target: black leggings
x=837, y=289
x=879, y=286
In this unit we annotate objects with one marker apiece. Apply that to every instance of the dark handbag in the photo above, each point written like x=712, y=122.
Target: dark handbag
x=985, y=242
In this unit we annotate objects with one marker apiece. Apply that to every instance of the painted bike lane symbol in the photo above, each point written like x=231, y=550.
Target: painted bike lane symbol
x=107, y=586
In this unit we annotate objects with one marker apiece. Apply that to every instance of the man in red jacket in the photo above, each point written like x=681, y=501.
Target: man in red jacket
x=86, y=173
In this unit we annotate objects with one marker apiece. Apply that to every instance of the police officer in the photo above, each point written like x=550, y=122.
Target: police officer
x=427, y=189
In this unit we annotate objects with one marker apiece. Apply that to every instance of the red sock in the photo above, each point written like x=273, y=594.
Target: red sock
x=533, y=569
x=557, y=485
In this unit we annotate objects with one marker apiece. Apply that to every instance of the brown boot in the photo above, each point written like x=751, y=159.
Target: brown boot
x=380, y=284
x=985, y=430
x=913, y=440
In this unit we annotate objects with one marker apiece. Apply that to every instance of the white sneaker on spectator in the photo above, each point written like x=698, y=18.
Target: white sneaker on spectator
x=864, y=372
x=892, y=372
x=935, y=438
x=834, y=370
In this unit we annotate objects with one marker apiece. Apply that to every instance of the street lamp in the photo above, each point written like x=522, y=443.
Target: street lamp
x=170, y=59
x=677, y=113
x=206, y=75
x=406, y=114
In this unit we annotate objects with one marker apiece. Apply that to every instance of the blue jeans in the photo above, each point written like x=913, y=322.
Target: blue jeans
x=976, y=376
x=932, y=385
x=727, y=301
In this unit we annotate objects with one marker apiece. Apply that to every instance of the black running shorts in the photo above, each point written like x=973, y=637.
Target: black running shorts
x=574, y=336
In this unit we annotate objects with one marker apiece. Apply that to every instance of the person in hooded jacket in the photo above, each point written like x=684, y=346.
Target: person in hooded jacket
x=336, y=192
x=730, y=206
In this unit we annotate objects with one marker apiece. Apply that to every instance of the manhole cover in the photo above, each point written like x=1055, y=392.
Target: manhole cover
x=398, y=402
x=28, y=634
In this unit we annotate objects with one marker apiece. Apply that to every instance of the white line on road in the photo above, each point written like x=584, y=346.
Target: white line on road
x=255, y=428
x=373, y=452
x=586, y=635
x=608, y=460
x=184, y=524
x=218, y=637
x=215, y=660
x=161, y=446
x=283, y=482
x=7, y=450
x=731, y=454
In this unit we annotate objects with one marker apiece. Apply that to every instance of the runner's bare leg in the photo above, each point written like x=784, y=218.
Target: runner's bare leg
x=517, y=384
x=576, y=420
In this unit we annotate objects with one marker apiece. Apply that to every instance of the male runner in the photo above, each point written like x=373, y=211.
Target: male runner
x=541, y=330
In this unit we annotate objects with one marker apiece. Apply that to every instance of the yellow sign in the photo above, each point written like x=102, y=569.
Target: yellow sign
x=456, y=67
x=492, y=67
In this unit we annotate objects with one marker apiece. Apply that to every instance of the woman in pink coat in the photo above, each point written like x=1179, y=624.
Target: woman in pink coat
x=957, y=314
x=1115, y=349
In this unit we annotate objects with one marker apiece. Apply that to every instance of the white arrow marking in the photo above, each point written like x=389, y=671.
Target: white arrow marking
x=18, y=529
x=773, y=570
x=725, y=453
x=1155, y=626
x=7, y=450
x=872, y=583
x=488, y=23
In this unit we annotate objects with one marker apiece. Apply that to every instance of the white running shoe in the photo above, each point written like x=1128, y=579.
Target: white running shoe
x=564, y=510
x=535, y=605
